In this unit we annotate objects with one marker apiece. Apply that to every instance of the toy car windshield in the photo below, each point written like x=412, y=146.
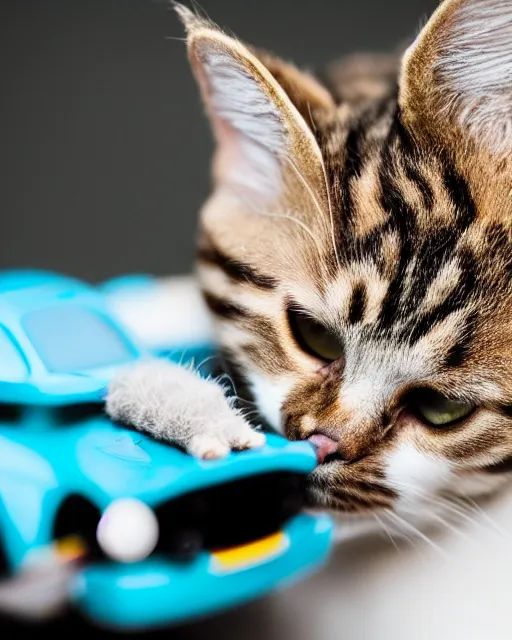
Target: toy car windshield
x=59, y=343
x=73, y=338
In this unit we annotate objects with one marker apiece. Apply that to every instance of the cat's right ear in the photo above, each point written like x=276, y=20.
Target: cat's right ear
x=261, y=136
x=456, y=77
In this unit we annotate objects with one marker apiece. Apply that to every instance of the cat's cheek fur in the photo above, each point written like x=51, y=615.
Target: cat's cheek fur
x=412, y=471
x=417, y=477
x=269, y=396
x=426, y=484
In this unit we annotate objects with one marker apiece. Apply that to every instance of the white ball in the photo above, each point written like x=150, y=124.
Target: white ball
x=127, y=530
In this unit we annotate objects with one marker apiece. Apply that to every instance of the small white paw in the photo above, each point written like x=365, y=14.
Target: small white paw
x=243, y=437
x=208, y=447
x=175, y=404
x=237, y=435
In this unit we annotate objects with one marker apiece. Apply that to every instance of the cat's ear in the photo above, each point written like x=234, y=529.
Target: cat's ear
x=456, y=79
x=260, y=132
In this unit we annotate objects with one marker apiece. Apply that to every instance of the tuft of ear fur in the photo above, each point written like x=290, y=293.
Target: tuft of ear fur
x=458, y=73
x=258, y=128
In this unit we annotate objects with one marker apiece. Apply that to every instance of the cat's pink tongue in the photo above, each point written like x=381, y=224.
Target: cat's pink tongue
x=324, y=445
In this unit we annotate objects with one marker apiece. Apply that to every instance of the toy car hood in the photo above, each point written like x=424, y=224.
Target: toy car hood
x=103, y=462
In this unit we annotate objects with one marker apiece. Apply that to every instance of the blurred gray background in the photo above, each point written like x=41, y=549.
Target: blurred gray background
x=104, y=149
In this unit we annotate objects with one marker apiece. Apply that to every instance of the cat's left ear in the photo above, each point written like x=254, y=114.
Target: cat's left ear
x=262, y=137
x=456, y=79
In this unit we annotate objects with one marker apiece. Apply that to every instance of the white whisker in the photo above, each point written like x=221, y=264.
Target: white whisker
x=477, y=508
x=331, y=216
x=250, y=414
x=399, y=532
x=417, y=533
x=387, y=532
x=307, y=186
x=303, y=225
x=317, y=204
x=445, y=523
x=225, y=376
x=203, y=362
x=458, y=508
x=439, y=501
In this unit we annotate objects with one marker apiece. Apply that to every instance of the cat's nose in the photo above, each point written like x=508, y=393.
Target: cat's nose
x=324, y=446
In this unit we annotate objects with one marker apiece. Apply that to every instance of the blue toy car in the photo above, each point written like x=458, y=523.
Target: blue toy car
x=206, y=535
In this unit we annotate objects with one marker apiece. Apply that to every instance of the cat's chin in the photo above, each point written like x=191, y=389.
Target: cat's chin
x=331, y=487
x=397, y=519
x=347, y=525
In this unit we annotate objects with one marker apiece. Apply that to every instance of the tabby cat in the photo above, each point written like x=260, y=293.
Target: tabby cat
x=356, y=257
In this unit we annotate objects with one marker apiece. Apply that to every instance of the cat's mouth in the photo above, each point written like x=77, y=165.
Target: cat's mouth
x=347, y=488
x=354, y=486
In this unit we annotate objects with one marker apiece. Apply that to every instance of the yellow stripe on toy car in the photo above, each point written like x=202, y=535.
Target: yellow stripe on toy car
x=250, y=554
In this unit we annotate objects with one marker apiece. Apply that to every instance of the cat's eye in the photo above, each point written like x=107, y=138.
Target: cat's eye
x=437, y=410
x=313, y=337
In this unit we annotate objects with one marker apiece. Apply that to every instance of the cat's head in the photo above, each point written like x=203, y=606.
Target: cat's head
x=356, y=253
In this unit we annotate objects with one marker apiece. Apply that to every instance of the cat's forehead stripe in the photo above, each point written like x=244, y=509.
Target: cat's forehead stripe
x=358, y=304
x=457, y=354
x=428, y=274
x=234, y=268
